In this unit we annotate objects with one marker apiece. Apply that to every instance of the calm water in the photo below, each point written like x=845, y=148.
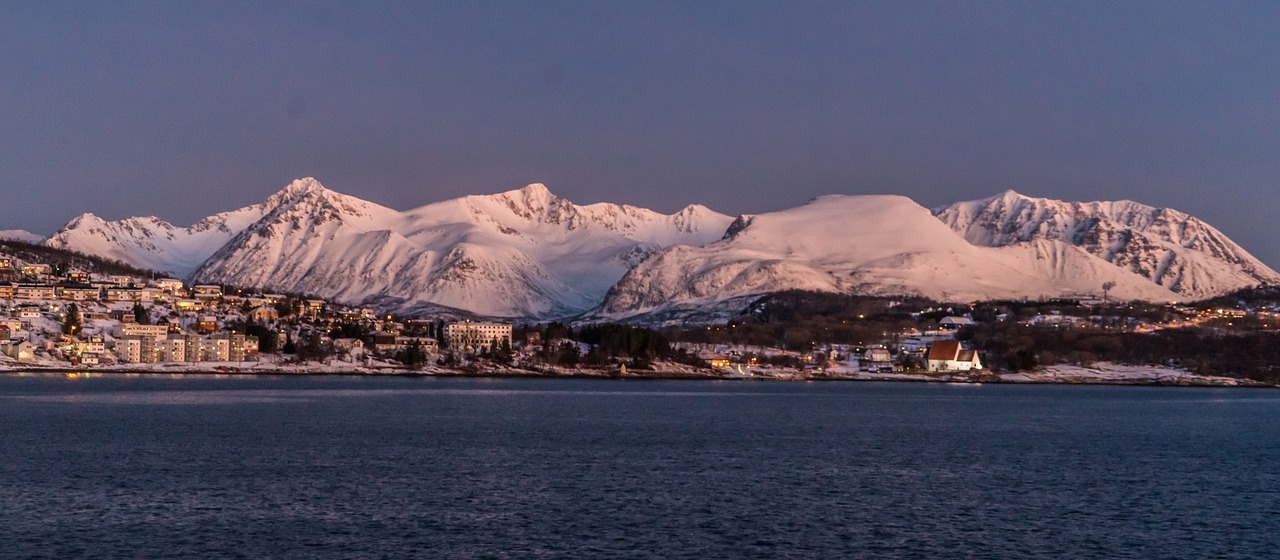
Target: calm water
x=158, y=467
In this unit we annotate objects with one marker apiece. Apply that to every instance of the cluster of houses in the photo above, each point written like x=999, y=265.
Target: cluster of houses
x=186, y=323
x=935, y=350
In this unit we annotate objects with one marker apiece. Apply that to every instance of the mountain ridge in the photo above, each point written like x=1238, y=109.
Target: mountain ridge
x=528, y=253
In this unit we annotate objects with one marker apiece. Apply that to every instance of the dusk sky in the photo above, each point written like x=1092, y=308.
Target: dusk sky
x=184, y=109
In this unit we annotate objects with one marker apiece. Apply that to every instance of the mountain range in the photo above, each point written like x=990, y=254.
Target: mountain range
x=530, y=254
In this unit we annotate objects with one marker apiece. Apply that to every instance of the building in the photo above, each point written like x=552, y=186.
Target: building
x=954, y=323
x=877, y=360
x=206, y=291
x=428, y=345
x=170, y=285
x=128, y=349
x=206, y=324
x=714, y=359
x=36, y=270
x=173, y=349
x=35, y=291
x=94, y=345
x=477, y=337
x=948, y=355
x=20, y=349
x=215, y=349
x=138, y=329
x=348, y=344
x=264, y=313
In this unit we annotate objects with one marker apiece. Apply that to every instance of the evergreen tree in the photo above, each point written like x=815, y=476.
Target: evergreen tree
x=71, y=323
x=141, y=315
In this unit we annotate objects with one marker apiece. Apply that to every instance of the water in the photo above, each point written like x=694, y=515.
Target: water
x=339, y=467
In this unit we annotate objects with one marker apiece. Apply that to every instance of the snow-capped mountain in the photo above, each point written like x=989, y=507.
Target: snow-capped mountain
x=881, y=245
x=152, y=243
x=1167, y=247
x=525, y=253
x=528, y=253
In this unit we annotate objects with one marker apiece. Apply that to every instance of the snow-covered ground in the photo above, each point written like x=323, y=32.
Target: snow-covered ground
x=1103, y=372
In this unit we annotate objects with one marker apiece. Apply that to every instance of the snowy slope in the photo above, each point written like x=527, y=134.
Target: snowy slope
x=525, y=253
x=886, y=245
x=20, y=235
x=1170, y=248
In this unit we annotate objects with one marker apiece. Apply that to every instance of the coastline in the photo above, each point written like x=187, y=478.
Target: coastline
x=1063, y=374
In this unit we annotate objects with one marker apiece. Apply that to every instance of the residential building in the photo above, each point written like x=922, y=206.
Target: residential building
x=35, y=291
x=20, y=349
x=206, y=291
x=475, y=337
x=36, y=270
x=206, y=324
x=170, y=285
x=71, y=291
x=118, y=293
x=128, y=349
x=215, y=349
x=138, y=329
x=264, y=313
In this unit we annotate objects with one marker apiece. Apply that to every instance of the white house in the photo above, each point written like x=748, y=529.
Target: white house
x=948, y=355
x=19, y=349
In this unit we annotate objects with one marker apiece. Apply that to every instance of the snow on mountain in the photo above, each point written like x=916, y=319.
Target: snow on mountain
x=21, y=235
x=1170, y=248
x=529, y=253
x=152, y=243
x=525, y=252
x=882, y=245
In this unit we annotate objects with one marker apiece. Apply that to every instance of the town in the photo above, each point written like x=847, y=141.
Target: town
x=62, y=316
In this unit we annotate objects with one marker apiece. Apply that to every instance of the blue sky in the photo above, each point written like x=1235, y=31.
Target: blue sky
x=182, y=109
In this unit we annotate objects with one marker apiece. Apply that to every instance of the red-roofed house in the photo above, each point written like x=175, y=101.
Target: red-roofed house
x=947, y=355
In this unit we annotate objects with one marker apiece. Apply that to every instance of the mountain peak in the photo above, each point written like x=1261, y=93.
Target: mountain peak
x=297, y=189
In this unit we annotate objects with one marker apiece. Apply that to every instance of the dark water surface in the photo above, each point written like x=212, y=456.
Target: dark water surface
x=343, y=467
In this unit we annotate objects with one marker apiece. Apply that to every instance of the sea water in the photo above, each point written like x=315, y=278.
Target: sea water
x=154, y=466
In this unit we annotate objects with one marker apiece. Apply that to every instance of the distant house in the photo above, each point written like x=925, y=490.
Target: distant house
x=264, y=313
x=714, y=359
x=171, y=285
x=348, y=344
x=206, y=324
x=877, y=360
x=948, y=355
x=206, y=291
x=954, y=323
x=36, y=270
x=20, y=350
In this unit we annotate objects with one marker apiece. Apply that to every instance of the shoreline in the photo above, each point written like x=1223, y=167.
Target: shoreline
x=1053, y=375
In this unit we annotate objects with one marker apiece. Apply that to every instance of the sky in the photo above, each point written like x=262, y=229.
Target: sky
x=185, y=109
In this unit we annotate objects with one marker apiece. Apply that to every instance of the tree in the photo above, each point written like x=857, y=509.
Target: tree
x=502, y=353
x=412, y=355
x=141, y=315
x=267, y=339
x=71, y=323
